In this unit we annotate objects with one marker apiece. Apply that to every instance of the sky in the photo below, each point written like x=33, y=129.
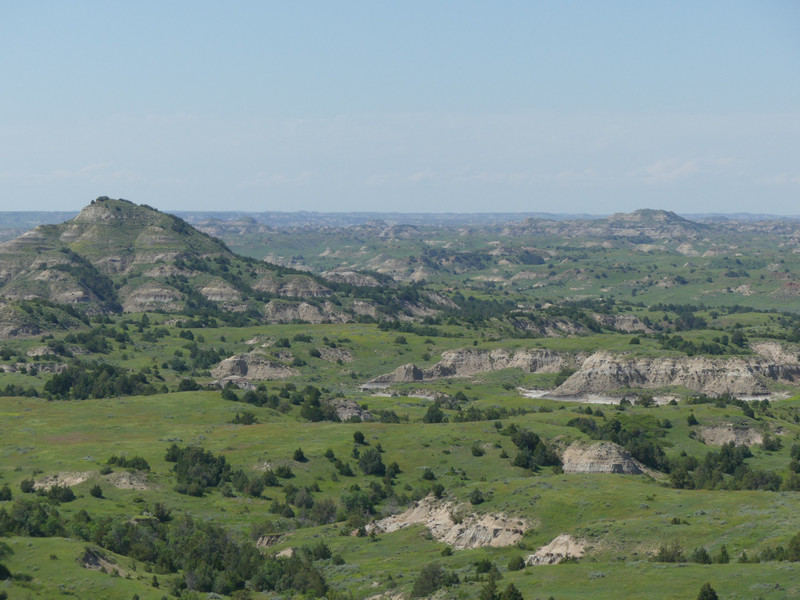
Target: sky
x=413, y=106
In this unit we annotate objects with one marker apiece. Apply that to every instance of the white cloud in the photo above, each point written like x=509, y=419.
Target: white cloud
x=94, y=173
x=674, y=169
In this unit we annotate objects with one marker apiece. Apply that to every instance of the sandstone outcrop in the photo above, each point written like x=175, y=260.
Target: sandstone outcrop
x=65, y=478
x=275, y=312
x=351, y=278
x=335, y=354
x=402, y=374
x=626, y=323
x=473, y=531
x=294, y=287
x=347, y=409
x=717, y=435
x=604, y=372
x=150, y=297
x=467, y=362
x=602, y=457
x=553, y=553
x=251, y=366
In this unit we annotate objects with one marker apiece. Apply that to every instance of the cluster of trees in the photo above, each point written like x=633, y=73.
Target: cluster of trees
x=89, y=278
x=533, y=452
x=204, y=556
x=673, y=552
x=137, y=463
x=197, y=469
x=690, y=348
x=82, y=380
x=309, y=399
x=424, y=330
x=726, y=469
x=638, y=434
x=476, y=311
x=491, y=413
x=13, y=389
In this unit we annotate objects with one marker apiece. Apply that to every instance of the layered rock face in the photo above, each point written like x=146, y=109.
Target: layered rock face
x=603, y=457
x=252, y=365
x=473, y=531
x=627, y=323
x=553, y=553
x=295, y=287
x=402, y=374
x=346, y=409
x=463, y=363
x=729, y=433
x=286, y=313
x=603, y=372
x=468, y=362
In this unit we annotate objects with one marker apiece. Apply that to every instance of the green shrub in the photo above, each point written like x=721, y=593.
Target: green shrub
x=476, y=497
x=707, y=593
x=434, y=414
x=516, y=564
x=669, y=552
x=701, y=556
x=136, y=463
x=284, y=471
x=60, y=493
x=371, y=463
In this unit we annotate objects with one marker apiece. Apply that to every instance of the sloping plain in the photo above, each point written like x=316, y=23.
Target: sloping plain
x=474, y=367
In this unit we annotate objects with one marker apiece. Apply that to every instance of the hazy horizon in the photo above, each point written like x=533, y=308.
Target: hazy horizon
x=414, y=107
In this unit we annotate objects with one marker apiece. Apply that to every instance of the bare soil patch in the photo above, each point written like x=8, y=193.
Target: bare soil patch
x=129, y=480
x=560, y=548
x=727, y=433
x=67, y=478
x=471, y=531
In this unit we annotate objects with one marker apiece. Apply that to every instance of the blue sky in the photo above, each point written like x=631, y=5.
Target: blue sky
x=402, y=106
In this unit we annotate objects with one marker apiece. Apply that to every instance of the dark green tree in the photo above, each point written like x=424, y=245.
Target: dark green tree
x=511, y=593
x=707, y=593
x=371, y=463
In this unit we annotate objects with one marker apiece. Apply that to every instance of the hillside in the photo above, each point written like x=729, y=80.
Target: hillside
x=119, y=257
x=452, y=412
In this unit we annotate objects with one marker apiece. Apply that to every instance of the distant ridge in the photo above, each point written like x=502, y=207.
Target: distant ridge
x=116, y=256
x=13, y=223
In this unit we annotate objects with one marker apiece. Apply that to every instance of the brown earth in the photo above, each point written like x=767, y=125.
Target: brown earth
x=472, y=531
x=560, y=548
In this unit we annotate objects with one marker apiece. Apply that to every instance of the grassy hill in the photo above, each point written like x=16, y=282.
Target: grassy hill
x=180, y=421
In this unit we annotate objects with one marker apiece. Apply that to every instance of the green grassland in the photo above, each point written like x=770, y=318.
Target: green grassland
x=623, y=518
x=515, y=288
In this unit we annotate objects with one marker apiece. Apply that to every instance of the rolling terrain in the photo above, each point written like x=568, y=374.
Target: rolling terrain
x=543, y=408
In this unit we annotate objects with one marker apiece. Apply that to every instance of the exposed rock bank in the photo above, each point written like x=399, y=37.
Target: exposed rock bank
x=467, y=362
x=729, y=433
x=602, y=457
x=474, y=531
x=553, y=553
x=251, y=366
